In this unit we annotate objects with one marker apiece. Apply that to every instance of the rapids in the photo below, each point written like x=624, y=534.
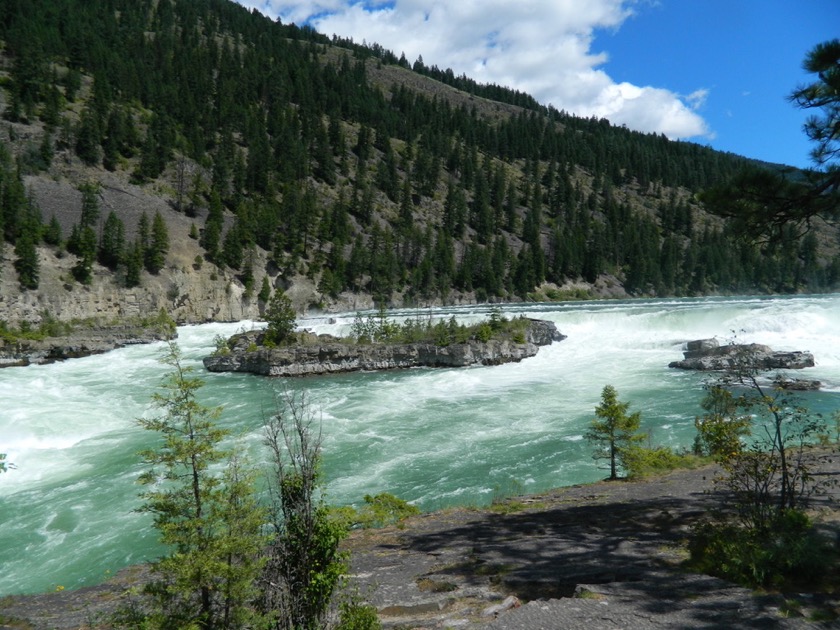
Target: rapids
x=436, y=438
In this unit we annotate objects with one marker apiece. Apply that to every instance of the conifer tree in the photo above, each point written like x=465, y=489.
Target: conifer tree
x=27, y=265
x=86, y=251
x=212, y=235
x=112, y=242
x=210, y=522
x=281, y=318
x=612, y=431
x=133, y=264
x=155, y=257
x=52, y=233
x=90, y=205
x=88, y=138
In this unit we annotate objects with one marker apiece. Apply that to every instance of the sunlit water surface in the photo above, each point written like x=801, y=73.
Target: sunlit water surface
x=436, y=438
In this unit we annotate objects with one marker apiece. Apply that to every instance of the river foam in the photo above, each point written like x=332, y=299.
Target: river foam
x=434, y=437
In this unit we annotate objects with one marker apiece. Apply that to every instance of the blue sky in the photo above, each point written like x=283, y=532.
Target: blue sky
x=715, y=72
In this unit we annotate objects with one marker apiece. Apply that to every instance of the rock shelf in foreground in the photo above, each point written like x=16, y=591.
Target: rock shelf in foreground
x=329, y=355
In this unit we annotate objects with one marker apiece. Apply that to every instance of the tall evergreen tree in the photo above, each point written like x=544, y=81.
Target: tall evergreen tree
x=112, y=242
x=155, y=257
x=613, y=431
x=27, y=264
x=210, y=522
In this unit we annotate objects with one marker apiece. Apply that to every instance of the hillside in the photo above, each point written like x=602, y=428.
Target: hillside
x=279, y=159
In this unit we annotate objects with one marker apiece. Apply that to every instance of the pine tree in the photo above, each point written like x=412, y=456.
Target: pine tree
x=90, y=205
x=613, y=431
x=265, y=291
x=155, y=255
x=281, y=318
x=133, y=264
x=88, y=138
x=112, y=242
x=27, y=265
x=212, y=235
x=210, y=522
x=83, y=269
x=52, y=234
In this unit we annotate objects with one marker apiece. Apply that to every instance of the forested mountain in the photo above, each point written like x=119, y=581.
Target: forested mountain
x=292, y=155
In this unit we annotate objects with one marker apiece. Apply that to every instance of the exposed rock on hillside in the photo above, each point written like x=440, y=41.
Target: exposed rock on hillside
x=709, y=355
x=329, y=355
x=187, y=291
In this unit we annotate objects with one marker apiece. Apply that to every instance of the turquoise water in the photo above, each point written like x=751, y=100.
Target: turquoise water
x=436, y=438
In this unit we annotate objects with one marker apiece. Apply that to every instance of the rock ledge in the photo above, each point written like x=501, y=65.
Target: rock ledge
x=329, y=355
x=82, y=343
x=709, y=355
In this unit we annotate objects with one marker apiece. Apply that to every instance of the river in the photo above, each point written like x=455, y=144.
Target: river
x=437, y=438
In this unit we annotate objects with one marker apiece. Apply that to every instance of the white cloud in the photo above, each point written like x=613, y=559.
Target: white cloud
x=542, y=47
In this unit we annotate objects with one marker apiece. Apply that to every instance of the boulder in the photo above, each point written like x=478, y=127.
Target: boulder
x=709, y=355
x=797, y=384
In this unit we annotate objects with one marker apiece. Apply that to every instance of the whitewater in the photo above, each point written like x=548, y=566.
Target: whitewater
x=436, y=438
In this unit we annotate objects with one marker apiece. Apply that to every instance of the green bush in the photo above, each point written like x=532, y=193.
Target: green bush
x=378, y=511
x=640, y=461
x=379, y=329
x=790, y=553
x=358, y=616
x=281, y=317
x=484, y=332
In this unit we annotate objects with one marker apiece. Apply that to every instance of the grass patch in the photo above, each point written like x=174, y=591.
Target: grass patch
x=492, y=569
x=508, y=507
x=644, y=462
x=428, y=585
x=587, y=594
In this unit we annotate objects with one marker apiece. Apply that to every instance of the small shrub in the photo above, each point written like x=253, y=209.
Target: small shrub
x=222, y=347
x=484, y=332
x=788, y=554
x=642, y=461
x=378, y=511
x=358, y=616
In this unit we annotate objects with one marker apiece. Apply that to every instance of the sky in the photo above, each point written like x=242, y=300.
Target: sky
x=715, y=72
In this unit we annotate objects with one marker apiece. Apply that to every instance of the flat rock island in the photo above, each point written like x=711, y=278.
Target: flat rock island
x=708, y=355
x=324, y=354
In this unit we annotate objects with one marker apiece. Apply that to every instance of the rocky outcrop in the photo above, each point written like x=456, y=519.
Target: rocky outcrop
x=797, y=384
x=75, y=345
x=329, y=355
x=709, y=355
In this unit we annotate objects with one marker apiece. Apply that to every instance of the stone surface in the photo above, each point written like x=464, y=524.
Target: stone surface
x=83, y=343
x=708, y=355
x=605, y=555
x=327, y=355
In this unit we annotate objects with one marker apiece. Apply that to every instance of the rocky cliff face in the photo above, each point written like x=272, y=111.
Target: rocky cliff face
x=327, y=355
x=189, y=288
